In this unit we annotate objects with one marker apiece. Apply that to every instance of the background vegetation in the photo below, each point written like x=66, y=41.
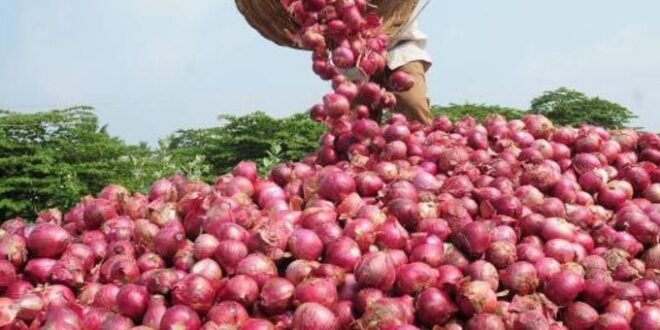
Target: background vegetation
x=52, y=159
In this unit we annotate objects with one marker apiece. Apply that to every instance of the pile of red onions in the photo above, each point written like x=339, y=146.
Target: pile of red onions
x=459, y=225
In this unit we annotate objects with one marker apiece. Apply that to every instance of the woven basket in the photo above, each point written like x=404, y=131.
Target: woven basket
x=270, y=19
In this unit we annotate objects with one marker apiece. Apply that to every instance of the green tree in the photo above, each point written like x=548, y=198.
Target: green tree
x=569, y=107
x=257, y=137
x=478, y=111
x=52, y=159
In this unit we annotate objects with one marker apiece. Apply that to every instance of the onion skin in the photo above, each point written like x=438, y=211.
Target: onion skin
x=7, y=273
x=47, y=240
x=275, y=296
x=312, y=316
x=564, y=287
x=476, y=297
x=434, y=307
x=415, y=277
x=228, y=312
x=194, y=291
x=240, y=288
x=648, y=317
x=580, y=316
x=155, y=310
x=132, y=300
x=521, y=277
x=485, y=321
x=180, y=317
x=611, y=321
x=376, y=270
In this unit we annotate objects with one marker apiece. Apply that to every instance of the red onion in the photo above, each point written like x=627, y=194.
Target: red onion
x=62, y=317
x=415, y=277
x=47, y=240
x=13, y=249
x=149, y=261
x=559, y=249
x=257, y=324
x=485, y=321
x=521, y=277
x=275, y=296
x=501, y=254
x=376, y=270
x=652, y=257
x=18, y=288
x=580, y=316
x=401, y=81
x=557, y=228
x=387, y=312
x=313, y=316
x=98, y=211
x=119, y=269
x=209, y=269
x=228, y=313
x=125, y=248
x=299, y=270
x=40, y=269
x=434, y=307
x=240, y=288
x=476, y=297
x=132, y=301
x=343, y=58
x=205, y=246
x=362, y=232
x=317, y=290
x=648, y=317
x=473, y=238
x=405, y=211
x=649, y=288
x=69, y=271
x=229, y=253
x=564, y=287
x=160, y=281
x=483, y=271
x=305, y=244
x=611, y=321
x=180, y=317
x=168, y=241
x=343, y=252
x=257, y=266
x=106, y=297
x=391, y=235
x=368, y=184
x=401, y=189
x=156, y=308
x=194, y=291
x=532, y=319
x=7, y=273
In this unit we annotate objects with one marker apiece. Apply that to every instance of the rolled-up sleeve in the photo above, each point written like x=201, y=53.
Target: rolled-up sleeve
x=408, y=47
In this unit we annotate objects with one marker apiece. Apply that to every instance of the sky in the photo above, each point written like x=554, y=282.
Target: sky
x=150, y=67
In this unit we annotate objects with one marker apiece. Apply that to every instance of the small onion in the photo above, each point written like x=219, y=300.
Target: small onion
x=313, y=316
x=180, y=317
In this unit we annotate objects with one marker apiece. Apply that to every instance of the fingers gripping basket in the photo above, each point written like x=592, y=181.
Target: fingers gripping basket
x=272, y=22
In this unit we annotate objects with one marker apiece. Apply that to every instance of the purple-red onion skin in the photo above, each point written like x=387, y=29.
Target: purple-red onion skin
x=180, y=317
x=313, y=316
x=434, y=307
x=376, y=270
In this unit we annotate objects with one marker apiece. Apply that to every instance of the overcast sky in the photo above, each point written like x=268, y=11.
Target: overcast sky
x=153, y=66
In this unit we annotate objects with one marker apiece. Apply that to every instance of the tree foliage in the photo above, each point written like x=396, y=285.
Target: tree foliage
x=569, y=107
x=478, y=111
x=255, y=137
x=52, y=159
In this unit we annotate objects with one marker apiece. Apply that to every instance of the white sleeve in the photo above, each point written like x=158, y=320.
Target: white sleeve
x=409, y=46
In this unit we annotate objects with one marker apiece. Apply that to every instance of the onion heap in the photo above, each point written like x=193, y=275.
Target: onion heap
x=505, y=224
